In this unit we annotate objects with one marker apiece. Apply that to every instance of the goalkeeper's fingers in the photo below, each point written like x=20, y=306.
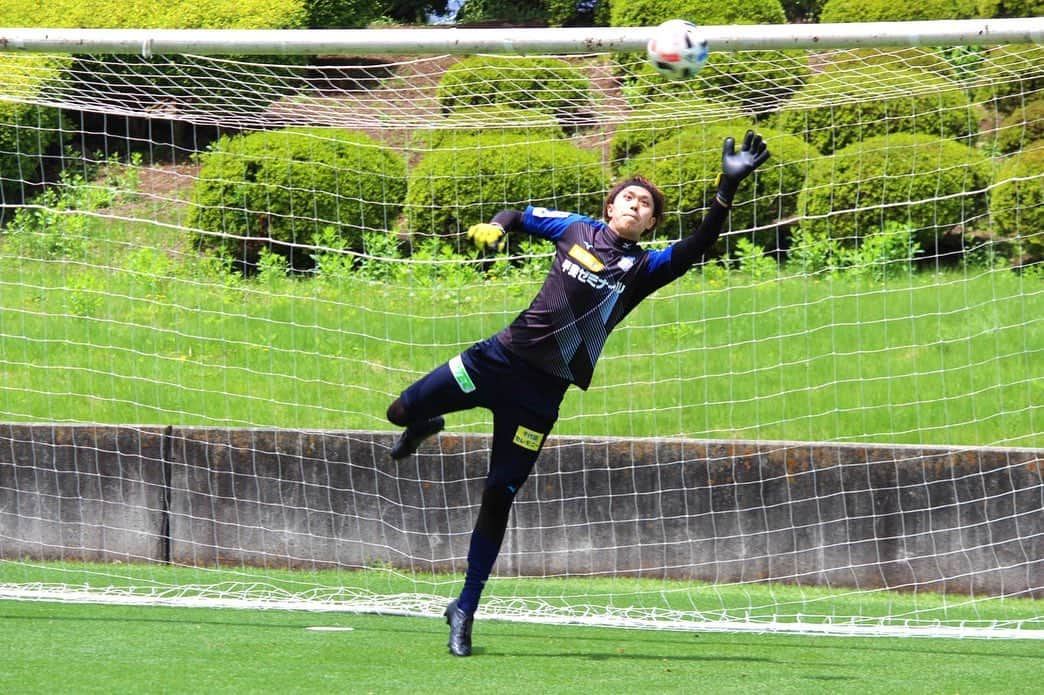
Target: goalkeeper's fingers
x=486, y=236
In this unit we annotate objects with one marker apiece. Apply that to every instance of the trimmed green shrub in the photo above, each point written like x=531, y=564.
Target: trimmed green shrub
x=890, y=11
x=686, y=166
x=1010, y=8
x=176, y=83
x=1010, y=73
x=1022, y=126
x=28, y=131
x=279, y=188
x=547, y=84
x=451, y=189
x=757, y=81
x=142, y=14
x=663, y=118
x=497, y=118
x=1017, y=202
x=840, y=107
x=930, y=183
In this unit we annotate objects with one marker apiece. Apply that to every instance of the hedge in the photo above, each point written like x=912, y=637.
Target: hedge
x=545, y=84
x=170, y=14
x=686, y=165
x=1010, y=8
x=840, y=107
x=929, y=183
x=891, y=11
x=452, y=188
x=757, y=81
x=1022, y=126
x=662, y=118
x=1010, y=73
x=287, y=185
x=180, y=84
x=497, y=118
x=1017, y=202
x=28, y=131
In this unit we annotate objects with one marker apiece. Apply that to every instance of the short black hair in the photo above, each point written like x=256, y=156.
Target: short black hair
x=642, y=182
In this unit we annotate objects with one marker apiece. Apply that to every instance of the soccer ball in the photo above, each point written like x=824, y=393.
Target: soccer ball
x=677, y=50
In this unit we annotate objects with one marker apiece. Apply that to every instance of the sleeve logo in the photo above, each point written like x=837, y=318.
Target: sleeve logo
x=528, y=439
x=546, y=212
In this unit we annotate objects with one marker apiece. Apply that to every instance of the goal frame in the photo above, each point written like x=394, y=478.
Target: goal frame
x=453, y=40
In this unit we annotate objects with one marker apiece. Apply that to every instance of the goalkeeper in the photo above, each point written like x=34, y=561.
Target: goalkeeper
x=521, y=374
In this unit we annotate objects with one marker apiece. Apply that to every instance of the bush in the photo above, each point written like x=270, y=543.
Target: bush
x=931, y=184
x=1008, y=74
x=1021, y=127
x=451, y=189
x=279, y=188
x=685, y=167
x=28, y=131
x=547, y=84
x=1017, y=202
x=662, y=118
x=840, y=107
x=1010, y=8
x=179, y=84
x=756, y=81
x=498, y=118
x=890, y=11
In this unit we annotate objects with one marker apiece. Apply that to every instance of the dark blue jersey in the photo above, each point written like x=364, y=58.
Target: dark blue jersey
x=596, y=279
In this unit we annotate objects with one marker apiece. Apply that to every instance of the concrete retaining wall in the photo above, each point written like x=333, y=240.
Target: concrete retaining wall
x=965, y=520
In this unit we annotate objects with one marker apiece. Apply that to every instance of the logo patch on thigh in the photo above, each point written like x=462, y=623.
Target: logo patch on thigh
x=528, y=439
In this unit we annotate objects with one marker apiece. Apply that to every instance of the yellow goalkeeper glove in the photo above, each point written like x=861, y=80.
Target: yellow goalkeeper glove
x=486, y=236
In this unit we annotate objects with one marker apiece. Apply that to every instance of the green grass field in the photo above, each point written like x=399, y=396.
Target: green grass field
x=52, y=648
x=144, y=337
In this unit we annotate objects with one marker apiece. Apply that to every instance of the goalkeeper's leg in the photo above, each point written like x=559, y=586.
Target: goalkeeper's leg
x=518, y=437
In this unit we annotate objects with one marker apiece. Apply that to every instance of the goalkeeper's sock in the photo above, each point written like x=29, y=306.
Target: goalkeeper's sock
x=481, y=556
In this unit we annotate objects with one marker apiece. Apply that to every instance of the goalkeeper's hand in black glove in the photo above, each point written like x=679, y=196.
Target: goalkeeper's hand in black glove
x=736, y=166
x=486, y=236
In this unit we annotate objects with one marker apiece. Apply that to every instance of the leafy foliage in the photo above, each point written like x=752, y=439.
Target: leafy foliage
x=451, y=189
x=998, y=90
x=546, y=84
x=1017, y=202
x=278, y=188
x=686, y=165
x=931, y=184
x=888, y=11
x=1022, y=127
x=843, y=106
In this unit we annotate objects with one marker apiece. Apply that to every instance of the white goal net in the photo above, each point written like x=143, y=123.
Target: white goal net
x=217, y=271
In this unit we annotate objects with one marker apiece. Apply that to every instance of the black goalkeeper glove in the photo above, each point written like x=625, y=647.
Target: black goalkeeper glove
x=736, y=166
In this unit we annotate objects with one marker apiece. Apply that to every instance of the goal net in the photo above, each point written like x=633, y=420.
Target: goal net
x=218, y=268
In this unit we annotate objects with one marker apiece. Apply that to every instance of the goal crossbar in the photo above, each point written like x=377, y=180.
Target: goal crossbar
x=452, y=40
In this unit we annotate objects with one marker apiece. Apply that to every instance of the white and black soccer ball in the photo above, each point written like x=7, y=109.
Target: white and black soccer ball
x=677, y=50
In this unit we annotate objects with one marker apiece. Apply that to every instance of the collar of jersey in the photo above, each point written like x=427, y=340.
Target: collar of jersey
x=617, y=240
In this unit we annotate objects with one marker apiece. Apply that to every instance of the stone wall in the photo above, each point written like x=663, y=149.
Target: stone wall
x=944, y=519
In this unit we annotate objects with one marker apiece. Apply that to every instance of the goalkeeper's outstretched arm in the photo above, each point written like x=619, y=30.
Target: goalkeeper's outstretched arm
x=488, y=236
x=735, y=166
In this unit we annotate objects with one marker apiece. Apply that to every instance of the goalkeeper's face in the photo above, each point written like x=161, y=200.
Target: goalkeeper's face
x=630, y=214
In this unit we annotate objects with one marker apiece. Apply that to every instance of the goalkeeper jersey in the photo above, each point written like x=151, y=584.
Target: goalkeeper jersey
x=596, y=279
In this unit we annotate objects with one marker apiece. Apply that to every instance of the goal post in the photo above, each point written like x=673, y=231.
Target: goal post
x=223, y=253
x=544, y=40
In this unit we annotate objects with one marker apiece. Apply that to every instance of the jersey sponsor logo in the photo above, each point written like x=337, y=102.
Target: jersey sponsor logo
x=626, y=263
x=545, y=212
x=588, y=278
x=528, y=439
x=586, y=258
